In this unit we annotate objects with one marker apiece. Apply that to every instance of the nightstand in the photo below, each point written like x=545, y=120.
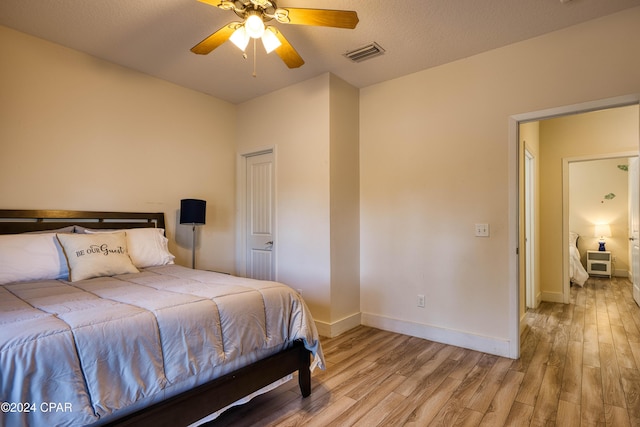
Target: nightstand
x=599, y=263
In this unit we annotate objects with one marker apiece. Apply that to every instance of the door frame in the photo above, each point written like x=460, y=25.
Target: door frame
x=241, y=206
x=514, y=194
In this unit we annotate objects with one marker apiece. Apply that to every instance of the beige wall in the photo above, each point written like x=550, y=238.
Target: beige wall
x=80, y=133
x=436, y=159
x=315, y=138
x=578, y=136
x=345, y=203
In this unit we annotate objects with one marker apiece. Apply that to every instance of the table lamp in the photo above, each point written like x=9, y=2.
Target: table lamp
x=602, y=231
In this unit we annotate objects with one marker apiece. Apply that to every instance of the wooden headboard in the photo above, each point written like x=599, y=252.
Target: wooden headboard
x=21, y=221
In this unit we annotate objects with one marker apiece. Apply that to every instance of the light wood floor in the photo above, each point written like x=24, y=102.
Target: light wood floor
x=578, y=367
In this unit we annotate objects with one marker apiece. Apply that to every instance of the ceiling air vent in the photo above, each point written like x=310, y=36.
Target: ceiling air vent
x=365, y=52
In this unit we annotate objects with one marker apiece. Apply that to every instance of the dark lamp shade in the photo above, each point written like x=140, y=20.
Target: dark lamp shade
x=192, y=211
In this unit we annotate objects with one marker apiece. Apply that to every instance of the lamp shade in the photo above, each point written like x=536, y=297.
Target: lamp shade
x=240, y=38
x=602, y=230
x=193, y=211
x=270, y=41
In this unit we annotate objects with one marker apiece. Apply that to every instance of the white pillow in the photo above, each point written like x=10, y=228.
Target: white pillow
x=147, y=246
x=31, y=257
x=96, y=255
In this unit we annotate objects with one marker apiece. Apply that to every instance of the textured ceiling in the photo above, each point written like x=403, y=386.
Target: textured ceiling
x=154, y=36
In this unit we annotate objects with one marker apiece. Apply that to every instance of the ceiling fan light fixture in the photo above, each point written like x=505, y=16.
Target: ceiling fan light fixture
x=254, y=14
x=270, y=40
x=254, y=26
x=240, y=38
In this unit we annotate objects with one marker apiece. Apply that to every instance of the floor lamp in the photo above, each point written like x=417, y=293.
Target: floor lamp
x=193, y=211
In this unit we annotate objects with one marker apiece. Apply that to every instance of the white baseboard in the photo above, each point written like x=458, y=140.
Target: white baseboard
x=621, y=273
x=496, y=346
x=334, y=329
x=552, y=297
x=523, y=324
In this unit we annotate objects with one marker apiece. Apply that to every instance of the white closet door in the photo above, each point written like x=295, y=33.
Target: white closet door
x=260, y=217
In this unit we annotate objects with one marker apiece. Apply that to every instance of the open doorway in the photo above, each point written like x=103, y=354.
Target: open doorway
x=611, y=131
x=548, y=256
x=598, y=217
x=620, y=240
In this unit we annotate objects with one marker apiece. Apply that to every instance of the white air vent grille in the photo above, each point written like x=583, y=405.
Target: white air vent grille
x=365, y=52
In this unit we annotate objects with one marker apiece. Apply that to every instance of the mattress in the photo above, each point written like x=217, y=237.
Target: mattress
x=83, y=352
x=577, y=273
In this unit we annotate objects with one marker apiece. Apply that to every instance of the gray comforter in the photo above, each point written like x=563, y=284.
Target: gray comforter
x=73, y=354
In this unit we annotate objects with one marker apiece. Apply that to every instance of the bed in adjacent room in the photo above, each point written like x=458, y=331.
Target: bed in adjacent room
x=577, y=273
x=99, y=326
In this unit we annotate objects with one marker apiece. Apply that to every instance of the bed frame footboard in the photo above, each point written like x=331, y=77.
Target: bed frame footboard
x=197, y=403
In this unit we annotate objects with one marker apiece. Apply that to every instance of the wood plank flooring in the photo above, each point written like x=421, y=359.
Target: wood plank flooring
x=578, y=367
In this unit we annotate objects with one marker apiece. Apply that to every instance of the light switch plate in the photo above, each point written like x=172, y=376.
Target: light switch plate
x=482, y=230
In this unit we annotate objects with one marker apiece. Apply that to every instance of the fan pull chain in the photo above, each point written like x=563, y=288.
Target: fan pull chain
x=255, y=74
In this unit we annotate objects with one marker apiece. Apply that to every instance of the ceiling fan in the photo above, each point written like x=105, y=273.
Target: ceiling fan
x=255, y=13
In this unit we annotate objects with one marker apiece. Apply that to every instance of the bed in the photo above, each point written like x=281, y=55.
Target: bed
x=577, y=274
x=98, y=326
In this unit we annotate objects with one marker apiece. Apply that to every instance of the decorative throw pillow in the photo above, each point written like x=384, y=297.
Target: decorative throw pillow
x=147, y=246
x=26, y=257
x=96, y=255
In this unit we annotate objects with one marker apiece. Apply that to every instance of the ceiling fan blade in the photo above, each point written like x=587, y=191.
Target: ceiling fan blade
x=215, y=39
x=323, y=17
x=286, y=52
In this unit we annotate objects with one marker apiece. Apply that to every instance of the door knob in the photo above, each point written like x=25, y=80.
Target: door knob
x=269, y=243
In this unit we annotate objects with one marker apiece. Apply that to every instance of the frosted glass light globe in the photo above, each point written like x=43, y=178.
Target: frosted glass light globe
x=254, y=26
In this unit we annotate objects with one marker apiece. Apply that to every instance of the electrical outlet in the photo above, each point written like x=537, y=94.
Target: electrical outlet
x=421, y=301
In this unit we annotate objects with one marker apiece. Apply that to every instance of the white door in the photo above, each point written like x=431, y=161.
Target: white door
x=260, y=216
x=634, y=224
x=529, y=228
